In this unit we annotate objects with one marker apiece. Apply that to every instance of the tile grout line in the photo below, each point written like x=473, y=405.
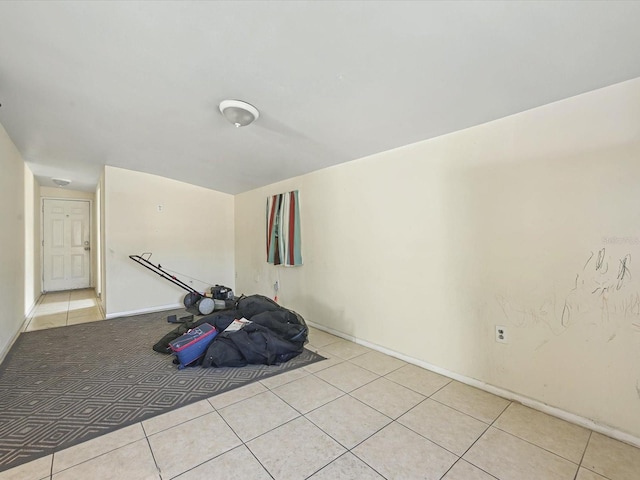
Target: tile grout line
x=591, y=432
x=481, y=435
x=460, y=459
x=392, y=420
x=535, y=445
x=146, y=437
x=96, y=456
x=349, y=450
x=416, y=391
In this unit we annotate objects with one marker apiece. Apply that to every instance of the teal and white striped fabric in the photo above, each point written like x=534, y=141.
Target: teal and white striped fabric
x=283, y=229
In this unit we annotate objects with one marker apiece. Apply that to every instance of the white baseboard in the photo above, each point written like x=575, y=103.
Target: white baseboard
x=144, y=310
x=23, y=325
x=32, y=309
x=509, y=395
x=8, y=346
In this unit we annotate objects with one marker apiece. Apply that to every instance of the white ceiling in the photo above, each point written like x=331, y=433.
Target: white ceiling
x=137, y=84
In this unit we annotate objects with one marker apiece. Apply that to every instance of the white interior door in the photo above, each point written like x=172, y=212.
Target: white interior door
x=66, y=236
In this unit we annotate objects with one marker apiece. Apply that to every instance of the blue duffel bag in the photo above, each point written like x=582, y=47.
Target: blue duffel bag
x=192, y=345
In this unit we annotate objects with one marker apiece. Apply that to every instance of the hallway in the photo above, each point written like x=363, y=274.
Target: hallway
x=59, y=309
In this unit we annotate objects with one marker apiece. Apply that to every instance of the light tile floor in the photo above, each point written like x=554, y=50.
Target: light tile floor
x=58, y=309
x=358, y=415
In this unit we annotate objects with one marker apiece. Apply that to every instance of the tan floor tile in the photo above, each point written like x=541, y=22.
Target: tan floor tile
x=330, y=361
x=510, y=458
x=347, y=376
x=98, y=446
x=132, y=461
x=176, y=417
x=319, y=339
x=398, y=453
x=82, y=294
x=388, y=397
x=34, y=470
x=348, y=420
x=347, y=467
x=611, y=458
x=445, y=426
x=189, y=444
x=55, y=297
x=378, y=362
x=257, y=415
x=584, y=474
x=418, y=379
x=236, y=395
x=557, y=436
x=83, y=303
x=237, y=464
x=479, y=404
x=86, y=319
x=282, y=378
x=47, y=321
x=84, y=312
x=465, y=471
x=51, y=308
x=345, y=349
x=295, y=450
x=307, y=393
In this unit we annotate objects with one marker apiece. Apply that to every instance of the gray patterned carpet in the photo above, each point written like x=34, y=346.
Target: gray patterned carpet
x=66, y=385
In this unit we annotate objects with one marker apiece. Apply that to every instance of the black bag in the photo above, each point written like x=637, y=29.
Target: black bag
x=254, y=304
x=286, y=323
x=274, y=334
x=253, y=344
x=223, y=353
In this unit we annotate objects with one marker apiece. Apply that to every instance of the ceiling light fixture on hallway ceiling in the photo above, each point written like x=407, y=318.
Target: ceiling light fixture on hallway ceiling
x=238, y=112
x=61, y=182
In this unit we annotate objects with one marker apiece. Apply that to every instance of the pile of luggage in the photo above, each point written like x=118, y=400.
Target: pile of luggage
x=255, y=331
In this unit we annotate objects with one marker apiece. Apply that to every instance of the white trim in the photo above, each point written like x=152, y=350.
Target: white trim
x=23, y=325
x=109, y=316
x=509, y=395
x=8, y=346
x=99, y=304
x=33, y=307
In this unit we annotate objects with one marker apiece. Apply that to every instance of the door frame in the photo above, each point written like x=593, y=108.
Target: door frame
x=91, y=236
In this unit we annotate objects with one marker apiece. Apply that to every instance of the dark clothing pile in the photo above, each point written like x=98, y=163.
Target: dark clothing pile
x=274, y=334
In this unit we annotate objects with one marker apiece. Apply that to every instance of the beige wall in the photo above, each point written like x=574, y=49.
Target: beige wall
x=100, y=250
x=423, y=250
x=96, y=231
x=12, y=241
x=191, y=233
x=33, y=275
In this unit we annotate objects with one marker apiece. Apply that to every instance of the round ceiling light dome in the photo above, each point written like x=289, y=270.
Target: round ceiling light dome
x=238, y=112
x=61, y=182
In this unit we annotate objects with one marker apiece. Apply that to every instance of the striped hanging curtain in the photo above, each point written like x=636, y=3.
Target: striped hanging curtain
x=283, y=229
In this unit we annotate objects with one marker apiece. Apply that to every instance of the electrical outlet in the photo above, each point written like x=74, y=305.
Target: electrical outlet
x=501, y=334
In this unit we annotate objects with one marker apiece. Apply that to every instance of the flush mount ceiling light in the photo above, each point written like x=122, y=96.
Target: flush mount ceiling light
x=239, y=113
x=61, y=182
